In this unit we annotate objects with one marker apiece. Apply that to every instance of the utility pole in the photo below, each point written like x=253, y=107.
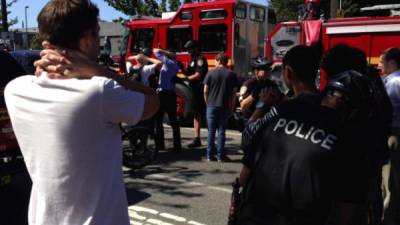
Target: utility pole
x=4, y=15
x=26, y=19
x=334, y=8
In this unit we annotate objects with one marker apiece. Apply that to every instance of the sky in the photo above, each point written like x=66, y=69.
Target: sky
x=107, y=13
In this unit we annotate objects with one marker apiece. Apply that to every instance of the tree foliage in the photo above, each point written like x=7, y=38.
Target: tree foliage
x=8, y=4
x=136, y=7
x=163, y=5
x=174, y=5
x=287, y=10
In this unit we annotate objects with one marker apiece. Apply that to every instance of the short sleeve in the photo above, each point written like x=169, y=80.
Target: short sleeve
x=121, y=104
x=246, y=88
x=207, y=80
x=252, y=133
x=201, y=63
x=147, y=71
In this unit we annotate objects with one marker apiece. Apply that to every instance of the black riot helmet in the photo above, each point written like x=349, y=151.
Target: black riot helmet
x=147, y=52
x=357, y=93
x=191, y=45
x=261, y=63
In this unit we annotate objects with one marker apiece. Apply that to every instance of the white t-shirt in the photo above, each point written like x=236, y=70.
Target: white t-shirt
x=71, y=142
x=147, y=71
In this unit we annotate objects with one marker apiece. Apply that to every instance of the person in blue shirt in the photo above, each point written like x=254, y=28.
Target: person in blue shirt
x=390, y=66
x=166, y=92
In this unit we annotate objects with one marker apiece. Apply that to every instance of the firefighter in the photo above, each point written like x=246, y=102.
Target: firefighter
x=195, y=72
x=251, y=89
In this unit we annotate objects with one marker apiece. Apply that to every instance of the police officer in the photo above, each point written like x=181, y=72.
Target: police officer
x=195, y=73
x=298, y=169
x=368, y=135
x=253, y=87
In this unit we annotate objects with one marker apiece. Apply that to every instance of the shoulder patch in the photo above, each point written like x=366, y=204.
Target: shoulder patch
x=200, y=62
x=243, y=90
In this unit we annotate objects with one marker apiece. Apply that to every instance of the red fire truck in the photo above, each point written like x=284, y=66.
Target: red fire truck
x=236, y=27
x=371, y=34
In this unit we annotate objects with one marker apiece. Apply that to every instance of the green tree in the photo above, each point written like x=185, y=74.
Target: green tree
x=136, y=7
x=4, y=15
x=349, y=9
x=174, y=5
x=163, y=5
x=36, y=43
x=187, y=1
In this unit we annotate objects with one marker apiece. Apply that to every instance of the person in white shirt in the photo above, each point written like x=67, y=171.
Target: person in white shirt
x=390, y=66
x=68, y=128
x=145, y=68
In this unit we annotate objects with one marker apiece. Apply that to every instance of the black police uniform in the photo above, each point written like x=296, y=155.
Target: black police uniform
x=298, y=165
x=197, y=64
x=254, y=87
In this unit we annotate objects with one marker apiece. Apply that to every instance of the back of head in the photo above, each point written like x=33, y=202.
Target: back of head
x=392, y=54
x=147, y=52
x=222, y=58
x=64, y=22
x=341, y=58
x=357, y=91
x=304, y=62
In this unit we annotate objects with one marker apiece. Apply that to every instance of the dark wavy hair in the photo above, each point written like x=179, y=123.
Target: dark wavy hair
x=64, y=22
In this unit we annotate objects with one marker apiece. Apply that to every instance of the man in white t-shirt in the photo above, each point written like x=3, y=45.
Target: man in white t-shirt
x=68, y=129
x=145, y=68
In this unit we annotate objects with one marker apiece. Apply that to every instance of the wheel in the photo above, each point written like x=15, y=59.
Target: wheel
x=184, y=103
x=139, y=148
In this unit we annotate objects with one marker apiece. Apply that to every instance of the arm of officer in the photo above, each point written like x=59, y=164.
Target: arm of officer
x=245, y=99
x=195, y=76
x=250, y=136
x=246, y=102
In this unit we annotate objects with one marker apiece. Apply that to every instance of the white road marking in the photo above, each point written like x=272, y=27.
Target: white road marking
x=134, y=215
x=135, y=223
x=157, y=222
x=142, y=209
x=187, y=182
x=195, y=223
x=173, y=217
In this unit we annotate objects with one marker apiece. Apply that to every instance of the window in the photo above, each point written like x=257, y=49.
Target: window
x=240, y=12
x=142, y=38
x=213, y=14
x=213, y=38
x=177, y=38
x=186, y=16
x=257, y=13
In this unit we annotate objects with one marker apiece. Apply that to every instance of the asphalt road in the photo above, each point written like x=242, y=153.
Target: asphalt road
x=183, y=188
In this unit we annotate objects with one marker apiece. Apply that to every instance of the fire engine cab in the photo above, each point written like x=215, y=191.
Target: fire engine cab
x=236, y=27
